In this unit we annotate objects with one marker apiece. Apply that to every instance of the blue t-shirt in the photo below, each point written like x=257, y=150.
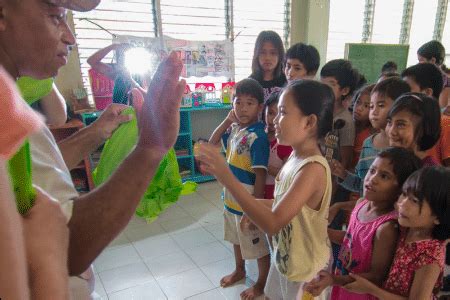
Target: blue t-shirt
x=246, y=149
x=354, y=182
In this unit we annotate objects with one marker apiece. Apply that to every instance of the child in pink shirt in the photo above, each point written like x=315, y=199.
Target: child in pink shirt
x=424, y=214
x=368, y=245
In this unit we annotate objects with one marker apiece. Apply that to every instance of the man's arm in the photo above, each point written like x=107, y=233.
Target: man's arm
x=54, y=108
x=99, y=216
x=82, y=143
x=14, y=275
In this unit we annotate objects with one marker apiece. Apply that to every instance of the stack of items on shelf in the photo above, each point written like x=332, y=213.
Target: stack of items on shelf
x=206, y=94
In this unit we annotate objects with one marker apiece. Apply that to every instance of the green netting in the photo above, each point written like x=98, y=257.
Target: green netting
x=165, y=187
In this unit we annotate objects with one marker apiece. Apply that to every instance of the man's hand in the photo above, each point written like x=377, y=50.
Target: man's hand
x=110, y=119
x=46, y=234
x=159, y=121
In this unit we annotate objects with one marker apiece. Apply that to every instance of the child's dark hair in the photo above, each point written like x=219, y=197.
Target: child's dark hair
x=307, y=55
x=426, y=75
x=427, y=109
x=273, y=99
x=364, y=90
x=391, y=87
x=389, y=67
x=404, y=162
x=273, y=38
x=314, y=98
x=433, y=49
x=251, y=87
x=430, y=184
x=344, y=73
x=388, y=75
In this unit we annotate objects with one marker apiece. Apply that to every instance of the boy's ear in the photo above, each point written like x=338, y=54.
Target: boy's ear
x=433, y=60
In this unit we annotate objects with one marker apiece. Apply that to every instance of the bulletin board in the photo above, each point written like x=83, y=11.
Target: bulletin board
x=369, y=58
x=200, y=58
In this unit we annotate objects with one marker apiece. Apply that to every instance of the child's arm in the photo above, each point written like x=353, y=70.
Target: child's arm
x=336, y=236
x=336, y=207
x=260, y=182
x=13, y=278
x=309, y=183
x=384, y=245
x=346, y=156
x=422, y=287
x=352, y=182
x=220, y=130
x=95, y=60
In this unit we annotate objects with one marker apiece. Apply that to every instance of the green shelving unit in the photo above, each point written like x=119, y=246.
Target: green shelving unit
x=183, y=146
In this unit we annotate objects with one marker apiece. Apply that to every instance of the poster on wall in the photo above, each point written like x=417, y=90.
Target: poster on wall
x=203, y=58
x=200, y=58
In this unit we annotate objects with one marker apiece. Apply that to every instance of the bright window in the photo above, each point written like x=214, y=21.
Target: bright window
x=345, y=26
x=422, y=26
x=387, y=21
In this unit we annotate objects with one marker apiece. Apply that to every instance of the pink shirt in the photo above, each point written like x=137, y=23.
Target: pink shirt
x=355, y=255
x=410, y=257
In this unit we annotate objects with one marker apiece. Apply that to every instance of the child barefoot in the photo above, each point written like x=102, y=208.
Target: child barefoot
x=297, y=216
x=424, y=214
x=368, y=245
x=247, y=156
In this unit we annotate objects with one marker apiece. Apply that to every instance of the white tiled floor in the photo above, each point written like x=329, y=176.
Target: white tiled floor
x=179, y=256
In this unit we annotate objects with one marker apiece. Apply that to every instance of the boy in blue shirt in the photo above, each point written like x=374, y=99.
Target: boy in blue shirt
x=247, y=152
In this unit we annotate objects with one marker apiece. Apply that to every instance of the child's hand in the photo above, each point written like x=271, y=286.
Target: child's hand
x=232, y=117
x=316, y=286
x=337, y=169
x=212, y=160
x=360, y=285
x=246, y=224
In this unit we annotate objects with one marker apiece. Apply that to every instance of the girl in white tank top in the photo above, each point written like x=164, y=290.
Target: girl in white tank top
x=297, y=217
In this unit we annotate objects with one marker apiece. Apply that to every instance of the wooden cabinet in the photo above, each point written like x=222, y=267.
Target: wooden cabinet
x=81, y=174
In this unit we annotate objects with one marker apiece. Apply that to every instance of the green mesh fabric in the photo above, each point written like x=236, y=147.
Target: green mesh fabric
x=165, y=187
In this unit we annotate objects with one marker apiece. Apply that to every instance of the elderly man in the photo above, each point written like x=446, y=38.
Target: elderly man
x=35, y=40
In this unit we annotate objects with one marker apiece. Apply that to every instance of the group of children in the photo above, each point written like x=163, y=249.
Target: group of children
x=281, y=194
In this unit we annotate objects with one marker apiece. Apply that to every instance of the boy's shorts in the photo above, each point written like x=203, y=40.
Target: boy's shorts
x=252, y=246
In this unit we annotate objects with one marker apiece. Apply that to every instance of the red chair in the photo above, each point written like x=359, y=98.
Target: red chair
x=102, y=89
